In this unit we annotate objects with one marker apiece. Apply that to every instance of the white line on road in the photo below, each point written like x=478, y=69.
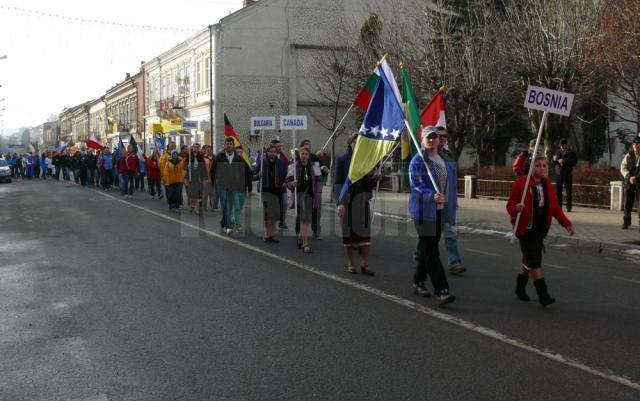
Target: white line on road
x=627, y=279
x=485, y=331
x=556, y=266
x=482, y=252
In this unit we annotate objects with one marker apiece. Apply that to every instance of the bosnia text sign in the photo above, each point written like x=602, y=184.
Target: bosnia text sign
x=260, y=123
x=189, y=124
x=548, y=100
x=290, y=123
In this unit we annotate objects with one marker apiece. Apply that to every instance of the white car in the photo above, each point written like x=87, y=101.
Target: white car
x=5, y=171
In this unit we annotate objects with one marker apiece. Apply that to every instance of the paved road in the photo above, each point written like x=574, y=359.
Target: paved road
x=102, y=299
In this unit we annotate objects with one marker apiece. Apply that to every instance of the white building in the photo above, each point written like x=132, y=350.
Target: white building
x=177, y=89
x=264, y=64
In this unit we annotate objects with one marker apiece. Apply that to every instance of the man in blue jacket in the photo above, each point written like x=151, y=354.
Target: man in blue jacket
x=432, y=202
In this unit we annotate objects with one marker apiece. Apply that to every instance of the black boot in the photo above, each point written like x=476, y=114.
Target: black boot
x=521, y=285
x=543, y=295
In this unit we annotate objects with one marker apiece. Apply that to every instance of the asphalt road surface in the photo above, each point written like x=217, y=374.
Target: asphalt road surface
x=106, y=299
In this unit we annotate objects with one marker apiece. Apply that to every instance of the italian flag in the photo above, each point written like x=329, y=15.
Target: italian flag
x=363, y=99
x=137, y=150
x=434, y=114
x=94, y=143
x=229, y=132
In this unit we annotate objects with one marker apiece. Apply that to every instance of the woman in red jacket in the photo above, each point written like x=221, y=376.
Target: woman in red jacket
x=153, y=174
x=540, y=205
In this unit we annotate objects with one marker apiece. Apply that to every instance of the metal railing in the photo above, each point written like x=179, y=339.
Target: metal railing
x=493, y=189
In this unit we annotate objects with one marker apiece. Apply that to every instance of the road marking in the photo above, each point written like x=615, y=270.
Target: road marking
x=627, y=279
x=482, y=252
x=485, y=331
x=556, y=266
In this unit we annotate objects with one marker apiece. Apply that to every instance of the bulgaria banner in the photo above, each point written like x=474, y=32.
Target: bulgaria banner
x=363, y=99
x=382, y=126
x=434, y=113
x=230, y=133
x=94, y=143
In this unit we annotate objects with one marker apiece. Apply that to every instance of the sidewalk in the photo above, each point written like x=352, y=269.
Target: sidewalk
x=595, y=228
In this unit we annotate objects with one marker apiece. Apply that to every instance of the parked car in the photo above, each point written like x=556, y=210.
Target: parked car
x=5, y=171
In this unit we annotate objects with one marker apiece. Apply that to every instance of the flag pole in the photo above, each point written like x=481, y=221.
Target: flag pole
x=338, y=126
x=415, y=143
x=512, y=235
x=262, y=167
x=375, y=195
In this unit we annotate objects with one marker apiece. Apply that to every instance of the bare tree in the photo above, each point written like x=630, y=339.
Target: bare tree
x=543, y=41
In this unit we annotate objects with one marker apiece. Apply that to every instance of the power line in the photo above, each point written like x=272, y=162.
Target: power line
x=19, y=10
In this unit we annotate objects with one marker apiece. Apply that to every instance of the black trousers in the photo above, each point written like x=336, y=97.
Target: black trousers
x=565, y=181
x=429, y=234
x=106, y=178
x=154, y=185
x=632, y=191
x=130, y=183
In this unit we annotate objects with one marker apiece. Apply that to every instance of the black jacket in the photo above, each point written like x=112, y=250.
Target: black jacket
x=570, y=160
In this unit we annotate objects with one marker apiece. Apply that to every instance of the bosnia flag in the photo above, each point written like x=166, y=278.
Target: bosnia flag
x=382, y=126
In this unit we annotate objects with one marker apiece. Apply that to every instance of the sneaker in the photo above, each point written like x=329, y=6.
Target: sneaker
x=283, y=226
x=445, y=298
x=160, y=196
x=228, y=231
x=178, y=210
x=238, y=228
x=420, y=290
x=457, y=268
x=318, y=237
x=625, y=226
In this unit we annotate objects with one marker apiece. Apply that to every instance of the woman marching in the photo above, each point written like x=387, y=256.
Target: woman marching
x=354, y=209
x=540, y=205
x=306, y=185
x=432, y=203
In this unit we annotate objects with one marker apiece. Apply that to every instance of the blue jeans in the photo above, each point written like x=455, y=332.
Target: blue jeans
x=451, y=243
x=238, y=204
x=226, y=205
x=91, y=176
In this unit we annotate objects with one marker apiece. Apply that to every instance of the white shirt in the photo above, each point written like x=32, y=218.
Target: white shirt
x=230, y=157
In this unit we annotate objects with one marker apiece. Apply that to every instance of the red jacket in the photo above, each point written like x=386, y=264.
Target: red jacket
x=131, y=161
x=122, y=166
x=153, y=168
x=553, y=208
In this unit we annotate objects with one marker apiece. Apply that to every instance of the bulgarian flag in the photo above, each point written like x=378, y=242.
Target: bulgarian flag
x=363, y=100
x=94, y=143
x=230, y=133
x=434, y=114
x=410, y=104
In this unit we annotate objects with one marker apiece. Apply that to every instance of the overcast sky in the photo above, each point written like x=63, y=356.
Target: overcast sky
x=55, y=62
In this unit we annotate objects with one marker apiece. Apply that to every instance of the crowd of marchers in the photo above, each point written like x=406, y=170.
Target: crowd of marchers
x=222, y=181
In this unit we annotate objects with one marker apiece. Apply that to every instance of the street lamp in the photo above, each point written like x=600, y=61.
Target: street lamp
x=3, y=57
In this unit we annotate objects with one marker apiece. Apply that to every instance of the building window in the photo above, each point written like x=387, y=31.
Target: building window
x=198, y=76
x=206, y=73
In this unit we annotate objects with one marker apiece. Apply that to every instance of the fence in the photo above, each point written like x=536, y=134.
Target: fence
x=598, y=196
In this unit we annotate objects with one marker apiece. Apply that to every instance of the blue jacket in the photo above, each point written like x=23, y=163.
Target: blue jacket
x=107, y=161
x=422, y=205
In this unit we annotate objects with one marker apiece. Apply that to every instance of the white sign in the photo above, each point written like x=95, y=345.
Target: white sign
x=548, y=100
x=290, y=123
x=189, y=124
x=260, y=123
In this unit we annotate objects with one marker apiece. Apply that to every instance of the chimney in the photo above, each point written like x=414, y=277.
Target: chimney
x=128, y=76
x=247, y=3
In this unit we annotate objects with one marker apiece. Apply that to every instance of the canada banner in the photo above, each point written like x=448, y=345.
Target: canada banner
x=94, y=143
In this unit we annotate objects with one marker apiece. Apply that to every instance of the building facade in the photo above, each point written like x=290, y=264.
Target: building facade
x=50, y=134
x=177, y=90
x=98, y=119
x=123, y=116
